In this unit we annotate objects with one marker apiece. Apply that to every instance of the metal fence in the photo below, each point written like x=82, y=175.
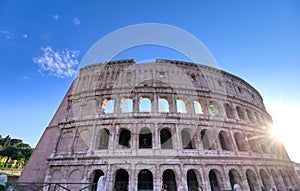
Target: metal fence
x=53, y=186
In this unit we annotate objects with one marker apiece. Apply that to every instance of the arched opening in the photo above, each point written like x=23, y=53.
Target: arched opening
x=169, y=180
x=103, y=139
x=166, y=139
x=214, y=109
x=264, y=179
x=234, y=178
x=257, y=117
x=229, y=111
x=264, y=148
x=95, y=177
x=163, y=105
x=262, y=121
x=145, y=138
x=186, y=140
x=250, y=116
x=206, y=140
x=231, y=179
x=127, y=105
x=124, y=138
x=193, y=78
x=145, y=180
x=251, y=179
x=240, y=142
x=240, y=113
x=284, y=178
x=213, y=180
x=121, y=181
x=192, y=181
x=198, y=107
x=276, y=180
x=180, y=105
x=224, y=141
x=145, y=104
x=108, y=105
x=291, y=177
x=252, y=143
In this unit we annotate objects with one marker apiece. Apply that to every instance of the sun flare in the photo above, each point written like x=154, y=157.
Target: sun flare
x=285, y=128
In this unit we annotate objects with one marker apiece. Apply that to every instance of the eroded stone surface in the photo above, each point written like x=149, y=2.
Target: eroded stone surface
x=114, y=121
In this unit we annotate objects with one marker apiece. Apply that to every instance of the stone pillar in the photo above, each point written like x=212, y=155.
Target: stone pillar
x=109, y=178
x=157, y=178
x=225, y=179
x=182, y=174
x=156, y=141
x=112, y=138
x=115, y=136
x=100, y=109
x=154, y=105
x=206, y=183
x=117, y=105
x=172, y=104
x=136, y=103
x=271, y=179
x=245, y=185
x=93, y=136
x=134, y=141
x=177, y=138
x=133, y=178
x=233, y=143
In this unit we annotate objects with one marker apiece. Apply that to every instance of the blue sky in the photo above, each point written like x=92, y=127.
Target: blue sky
x=256, y=40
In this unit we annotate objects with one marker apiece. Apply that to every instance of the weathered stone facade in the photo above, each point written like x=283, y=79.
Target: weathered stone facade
x=163, y=122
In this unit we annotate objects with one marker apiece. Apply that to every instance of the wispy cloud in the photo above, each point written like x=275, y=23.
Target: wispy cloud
x=6, y=33
x=55, y=17
x=25, y=77
x=58, y=63
x=76, y=21
x=24, y=35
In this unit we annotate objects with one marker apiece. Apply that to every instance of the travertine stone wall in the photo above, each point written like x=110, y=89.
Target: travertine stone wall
x=163, y=122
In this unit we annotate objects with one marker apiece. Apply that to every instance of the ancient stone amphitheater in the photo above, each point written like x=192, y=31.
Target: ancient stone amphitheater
x=162, y=122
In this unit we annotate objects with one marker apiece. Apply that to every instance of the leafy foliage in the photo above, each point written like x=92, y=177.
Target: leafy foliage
x=14, y=153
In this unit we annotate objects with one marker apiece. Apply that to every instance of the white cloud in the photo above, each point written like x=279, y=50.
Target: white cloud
x=58, y=63
x=25, y=77
x=55, y=17
x=24, y=35
x=76, y=21
x=6, y=33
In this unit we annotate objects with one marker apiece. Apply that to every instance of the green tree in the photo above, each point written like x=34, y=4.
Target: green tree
x=6, y=141
x=14, y=149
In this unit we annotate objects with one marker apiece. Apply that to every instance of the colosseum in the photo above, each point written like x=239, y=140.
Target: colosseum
x=166, y=122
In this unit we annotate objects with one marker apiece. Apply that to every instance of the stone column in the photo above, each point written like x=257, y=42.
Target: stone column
x=177, y=138
x=157, y=178
x=93, y=136
x=154, y=104
x=112, y=139
x=109, y=178
x=133, y=178
x=156, y=141
x=134, y=141
x=245, y=185
x=205, y=183
x=172, y=104
x=225, y=179
x=233, y=143
x=182, y=174
x=115, y=137
x=136, y=103
x=117, y=105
